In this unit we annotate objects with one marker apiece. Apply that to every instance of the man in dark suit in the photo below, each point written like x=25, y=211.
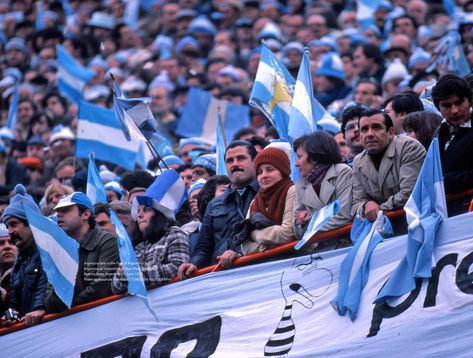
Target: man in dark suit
x=453, y=98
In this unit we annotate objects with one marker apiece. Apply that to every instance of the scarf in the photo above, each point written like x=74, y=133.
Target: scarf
x=271, y=201
x=317, y=175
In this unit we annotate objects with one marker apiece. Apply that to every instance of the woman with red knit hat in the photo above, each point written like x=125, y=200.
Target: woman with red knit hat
x=271, y=212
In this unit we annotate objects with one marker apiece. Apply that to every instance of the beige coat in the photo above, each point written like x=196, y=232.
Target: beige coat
x=261, y=240
x=392, y=185
x=337, y=184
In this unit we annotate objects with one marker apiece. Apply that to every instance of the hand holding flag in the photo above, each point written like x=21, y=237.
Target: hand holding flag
x=425, y=210
x=318, y=220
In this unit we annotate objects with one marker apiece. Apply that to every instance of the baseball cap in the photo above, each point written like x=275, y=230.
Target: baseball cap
x=76, y=198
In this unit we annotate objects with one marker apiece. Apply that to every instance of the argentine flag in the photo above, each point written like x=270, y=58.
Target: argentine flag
x=425, y=210
x=72, y=77
x=365, y=10
x=59, y=254
x=199, y=117
x=98, y=131
x=318, y=220
x=306, y=112
x=96, y=193
x=355, y=268
x=273, y=91
x=138, y=123
x=451, y=55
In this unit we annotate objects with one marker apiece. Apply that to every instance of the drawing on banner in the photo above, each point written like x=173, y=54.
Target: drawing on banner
x=297, y=286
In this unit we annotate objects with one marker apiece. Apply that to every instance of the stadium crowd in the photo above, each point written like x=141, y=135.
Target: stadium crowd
x=387, y=84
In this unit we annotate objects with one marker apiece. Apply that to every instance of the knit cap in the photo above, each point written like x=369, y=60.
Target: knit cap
x=17, y=203
x=276, y=157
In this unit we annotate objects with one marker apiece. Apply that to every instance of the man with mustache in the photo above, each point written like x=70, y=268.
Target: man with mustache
x=226, y=211
x=385, y=173
x=28, y=280
x=98, y=252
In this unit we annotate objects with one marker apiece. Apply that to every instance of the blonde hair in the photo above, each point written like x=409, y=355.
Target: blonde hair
x=53, y=188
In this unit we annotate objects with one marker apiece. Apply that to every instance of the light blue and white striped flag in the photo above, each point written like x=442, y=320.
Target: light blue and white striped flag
x=272, y=91
x=355, y=268
x=318, y=220
x=96, y=193
x=95, y=189
x=306, y=111
x=199, y=117
x=98, y=131
x=72, y=76
x=221, y=167
x=132, y=13
x=12, y=110
x=138, y=123
x=59, y=254
x=39, y=22
x=450, y=57
x=365, y=10
x=425, y=210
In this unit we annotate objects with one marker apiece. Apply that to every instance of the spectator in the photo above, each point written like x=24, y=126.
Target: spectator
x=8, y=253
x=351, y=132
x=186, y=173
x=194, y=192
x=399, y=106
x=271, y=213
x=123, y=211
x=386, y=171
x=204, y=167
x=113, y=191
x=53, y=193
x=102, y=217
x=369, y=62
x=342, y=145
x=422, y=126
x=330, y=80
x=213, y=188
x=35, y=147
x=98, y=251
x=368, y=93
x=324, y=179
x=225, y=212
x=186, y=146
x=453, y=98
x=28, y=280
x=164, y=246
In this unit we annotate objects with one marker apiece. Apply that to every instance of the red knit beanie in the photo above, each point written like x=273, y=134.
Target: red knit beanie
x=276, y=157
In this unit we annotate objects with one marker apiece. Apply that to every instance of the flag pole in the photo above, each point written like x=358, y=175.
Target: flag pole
x=220, y=123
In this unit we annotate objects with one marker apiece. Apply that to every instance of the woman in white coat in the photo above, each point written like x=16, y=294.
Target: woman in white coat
x=324, y=179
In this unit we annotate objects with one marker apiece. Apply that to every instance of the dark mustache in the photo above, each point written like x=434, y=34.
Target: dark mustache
x=237, y=169
x=14, y=238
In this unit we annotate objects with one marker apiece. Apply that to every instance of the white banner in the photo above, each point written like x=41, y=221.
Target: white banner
x=278, y=308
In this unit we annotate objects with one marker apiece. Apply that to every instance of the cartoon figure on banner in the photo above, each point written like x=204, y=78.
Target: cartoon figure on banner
x=297, y=285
